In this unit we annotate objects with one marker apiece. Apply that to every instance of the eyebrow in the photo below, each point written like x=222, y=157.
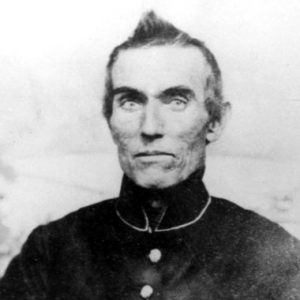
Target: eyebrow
x=127, y=90
x=178, y=90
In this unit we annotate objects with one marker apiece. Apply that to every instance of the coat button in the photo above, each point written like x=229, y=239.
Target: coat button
x=155, y=255
x=146, y=291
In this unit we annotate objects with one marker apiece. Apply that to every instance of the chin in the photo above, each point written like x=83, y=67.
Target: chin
x=156, y=179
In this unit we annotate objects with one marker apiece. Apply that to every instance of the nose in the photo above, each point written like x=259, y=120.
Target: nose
x=152, y=123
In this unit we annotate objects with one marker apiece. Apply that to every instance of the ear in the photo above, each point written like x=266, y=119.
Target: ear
x=215, y=128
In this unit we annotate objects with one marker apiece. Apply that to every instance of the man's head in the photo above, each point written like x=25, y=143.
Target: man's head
x=163, y=103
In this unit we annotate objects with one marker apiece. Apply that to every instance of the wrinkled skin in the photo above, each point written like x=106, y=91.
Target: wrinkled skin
x=159, y=121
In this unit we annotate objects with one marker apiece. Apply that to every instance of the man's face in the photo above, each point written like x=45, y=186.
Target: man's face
x=159, y=120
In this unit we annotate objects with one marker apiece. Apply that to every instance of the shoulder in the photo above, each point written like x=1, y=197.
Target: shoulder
x=257, y=249
x=96, y=212
x=247, y=221
x=78, y=224
x=250, y=232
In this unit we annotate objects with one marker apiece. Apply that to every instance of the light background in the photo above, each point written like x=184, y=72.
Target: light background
x=56, y=154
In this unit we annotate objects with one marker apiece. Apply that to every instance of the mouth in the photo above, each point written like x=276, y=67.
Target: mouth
x=153, y=154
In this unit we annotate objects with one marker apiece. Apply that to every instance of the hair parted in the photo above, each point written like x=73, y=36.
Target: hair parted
x=154, y=31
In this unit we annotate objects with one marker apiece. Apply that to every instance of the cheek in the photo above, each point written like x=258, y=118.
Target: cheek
x=193, y=134
x=122, y=131
x=194, y=142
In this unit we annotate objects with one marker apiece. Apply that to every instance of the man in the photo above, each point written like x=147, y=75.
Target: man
x=165, y=237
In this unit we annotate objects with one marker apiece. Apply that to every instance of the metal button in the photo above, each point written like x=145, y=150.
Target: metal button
x=146, y=291
x=155, y=255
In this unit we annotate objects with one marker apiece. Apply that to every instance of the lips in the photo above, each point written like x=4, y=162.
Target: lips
x=153, y=153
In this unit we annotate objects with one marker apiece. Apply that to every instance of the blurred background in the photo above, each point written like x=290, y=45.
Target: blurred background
x=56, y=154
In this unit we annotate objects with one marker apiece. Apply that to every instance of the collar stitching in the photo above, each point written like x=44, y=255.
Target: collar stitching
x=188, y=223
x=150, y=230
x=132, y=226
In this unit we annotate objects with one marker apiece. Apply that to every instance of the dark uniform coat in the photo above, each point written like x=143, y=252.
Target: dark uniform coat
x=192, y=247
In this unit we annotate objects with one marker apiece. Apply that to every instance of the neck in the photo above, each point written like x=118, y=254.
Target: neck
x=159, y=197
x=163, y=209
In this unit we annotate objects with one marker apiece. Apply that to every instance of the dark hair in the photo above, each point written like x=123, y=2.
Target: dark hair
x=154, y=31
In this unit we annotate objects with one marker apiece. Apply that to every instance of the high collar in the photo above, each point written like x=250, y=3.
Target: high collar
x=183, y=204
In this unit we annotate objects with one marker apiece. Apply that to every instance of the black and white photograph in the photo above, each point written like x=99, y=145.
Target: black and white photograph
x=150, y=150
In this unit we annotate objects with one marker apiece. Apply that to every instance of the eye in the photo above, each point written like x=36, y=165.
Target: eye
x=130, y=104
x=178, y=103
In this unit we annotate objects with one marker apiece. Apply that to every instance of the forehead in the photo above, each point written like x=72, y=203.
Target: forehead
x=159, y=67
